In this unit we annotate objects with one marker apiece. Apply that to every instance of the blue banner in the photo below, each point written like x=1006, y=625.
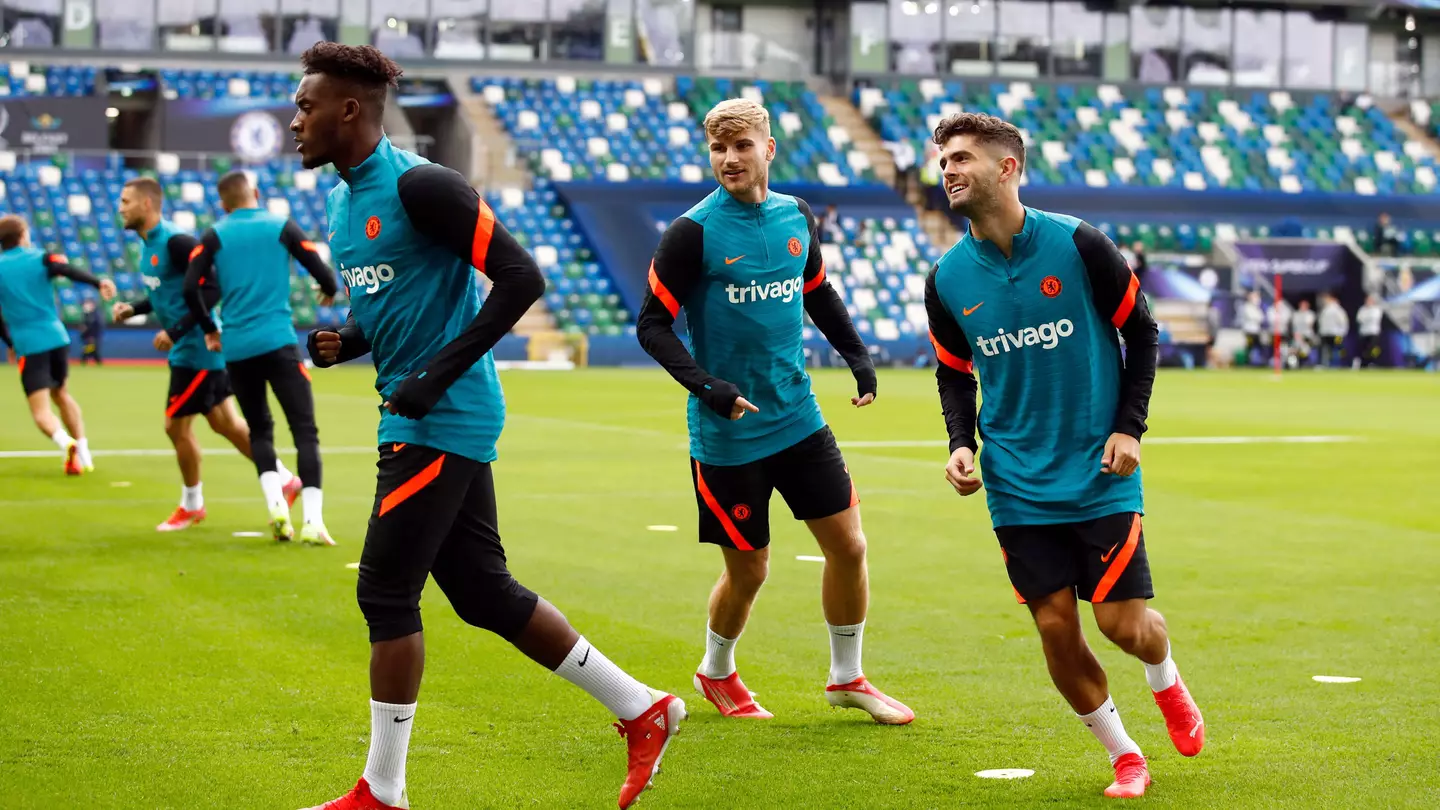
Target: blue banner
x=255, y=129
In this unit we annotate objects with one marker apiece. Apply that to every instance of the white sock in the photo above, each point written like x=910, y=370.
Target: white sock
x=192, y=498
x=845, y=641
x=1105, y=724
x=82, y=446
x=719, y=661
x=390, y=725
x=314, y=500
x=273, y=487
x=62, y=439
x=589, y=669
x=285, y=474
x=1163, y=675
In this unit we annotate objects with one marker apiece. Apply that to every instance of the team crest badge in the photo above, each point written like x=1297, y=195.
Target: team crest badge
x=795, y=246
x=372, y=227
x=1050, y=286
x=741, y=512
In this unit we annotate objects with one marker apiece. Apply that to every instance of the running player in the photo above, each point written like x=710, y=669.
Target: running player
x=198, y=382
x=1042, y=296
x=249, y=253
x=745, y=265
x=409, y=236
x=40, y=341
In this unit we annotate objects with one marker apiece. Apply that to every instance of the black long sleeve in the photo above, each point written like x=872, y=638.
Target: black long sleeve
x=210, y=295
x=5, y=333
x=443, y=207
x=55, y=265
x=353, y=344
x=142, y=307
x=304, y=252
x=955, y=372
x=674, y=271
x=1118, y=299
x=200, y=272
x=828, y=312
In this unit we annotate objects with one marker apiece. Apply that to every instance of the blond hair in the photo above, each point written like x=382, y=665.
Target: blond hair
x=734, y=116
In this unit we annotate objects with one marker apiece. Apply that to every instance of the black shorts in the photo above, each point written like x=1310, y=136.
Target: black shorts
x=735, y=501
x=1103, y=559
x=196, y=391
x=44, y=371
x=434, y=513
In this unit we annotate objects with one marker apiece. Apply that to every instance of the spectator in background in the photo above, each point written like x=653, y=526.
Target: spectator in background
x=1252, y=323
x=1334, y=326
x=91, y=327
x=1302, y=330
x=1278, y=319
x=830, y=226
x=1138, y=264
x=1369, y=323
x=1387, y=236
x=905, y=158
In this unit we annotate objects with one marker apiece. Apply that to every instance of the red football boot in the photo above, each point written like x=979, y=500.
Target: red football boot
x=730, y=696
x=360, y=798
x=1182, y=718
x=647, y=737
x=1131, y=778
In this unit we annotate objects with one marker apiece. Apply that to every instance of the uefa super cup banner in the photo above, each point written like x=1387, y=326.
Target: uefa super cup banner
x=254, y=129
x=45, y=125
x=1303, y=265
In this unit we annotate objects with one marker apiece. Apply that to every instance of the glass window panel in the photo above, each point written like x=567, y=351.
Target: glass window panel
x=306, y=22
x=187, y=25
x=969, y=48
x=1352, y=42
x=1206, y=57
x=1024, y=41
x=914, y=35
x=397, y=27
x=126, y=26
x=1079, y=39
x=577, y=29
x=459, y=28
x=32, y=23
x=1309, y=51
x=666, y=31
x=1155, y=43
x=1257, y=60
x=1117, y=46
x=247, y=26
x=517, y=30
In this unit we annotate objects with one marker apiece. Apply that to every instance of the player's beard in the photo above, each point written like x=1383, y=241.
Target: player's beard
x=979, y=198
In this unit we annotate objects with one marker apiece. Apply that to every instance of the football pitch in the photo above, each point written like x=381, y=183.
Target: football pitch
x=209, y=669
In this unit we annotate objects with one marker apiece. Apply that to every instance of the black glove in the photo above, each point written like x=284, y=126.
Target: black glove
x=719, y=396
x=865, y=381
x=415, y=396
x=314, y=354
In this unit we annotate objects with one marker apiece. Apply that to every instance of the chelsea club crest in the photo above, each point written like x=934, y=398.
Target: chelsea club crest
x=256, y=136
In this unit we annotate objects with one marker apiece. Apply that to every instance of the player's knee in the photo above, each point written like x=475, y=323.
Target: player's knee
x=175, y=429
x=391, y=608
x=498, y=603
x=748, y=571
x=1124, y=632
x=1057, y=626
x=850, y=549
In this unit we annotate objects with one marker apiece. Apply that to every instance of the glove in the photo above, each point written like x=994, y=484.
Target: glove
x=415, y=397
x=719, y=396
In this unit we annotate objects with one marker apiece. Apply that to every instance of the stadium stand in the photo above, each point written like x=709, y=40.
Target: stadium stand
x=20, y=79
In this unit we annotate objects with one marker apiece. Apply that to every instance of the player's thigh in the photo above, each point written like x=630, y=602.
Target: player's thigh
x=418, y=491
x=734, y=504
x=249, y=381
x=193, y=390
x=291, y=383
x=36, y=375
x=1040, y=559
x=1116, y=566
x=59, y=361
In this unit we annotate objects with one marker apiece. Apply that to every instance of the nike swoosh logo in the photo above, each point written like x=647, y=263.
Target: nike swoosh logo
x=400, y=446
x=736, y=259
x=966, y=311
x=847, y=635
x=332, y=235
x=587, y=656
x=404, y=719
x=1106, y=556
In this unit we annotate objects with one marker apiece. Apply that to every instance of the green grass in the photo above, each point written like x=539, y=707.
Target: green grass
x=142, y=670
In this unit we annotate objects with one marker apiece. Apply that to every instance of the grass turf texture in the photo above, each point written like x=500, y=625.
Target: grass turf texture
x=203, y=670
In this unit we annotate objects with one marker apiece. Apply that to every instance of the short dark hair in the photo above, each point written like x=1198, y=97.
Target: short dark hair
x=986, y=129
x=362, y=65
x=148, y=186
x=12, y=227
x=232, y=182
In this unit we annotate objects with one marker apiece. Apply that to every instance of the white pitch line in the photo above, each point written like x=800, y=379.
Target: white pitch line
x=355, y=566
x=808, y=558
x=1005, y=773
x=247, y=534
x=170, y=451
x=1334, y=679
x=1147, y=441
x=663, y=528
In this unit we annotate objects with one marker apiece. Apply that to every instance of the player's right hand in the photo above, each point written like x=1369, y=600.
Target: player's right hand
x=324, y=347
x=121, y=311
x=163, y=343
x=212, y=341
x=960, y=472
x=741, y=407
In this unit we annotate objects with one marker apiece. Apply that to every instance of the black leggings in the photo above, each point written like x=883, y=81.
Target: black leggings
x=285, y=374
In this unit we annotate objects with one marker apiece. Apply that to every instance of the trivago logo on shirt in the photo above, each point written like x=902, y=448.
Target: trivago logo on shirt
x=1046, y=336
x=151, y=282
x=370, y=277
x=778, y=290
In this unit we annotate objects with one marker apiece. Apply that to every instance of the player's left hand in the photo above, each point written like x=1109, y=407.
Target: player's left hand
x=415, y=397
x=212, y=341
x=107, y=289
x=324, y=300
x=1122, y=455
x=861, y=402
x=163, y=343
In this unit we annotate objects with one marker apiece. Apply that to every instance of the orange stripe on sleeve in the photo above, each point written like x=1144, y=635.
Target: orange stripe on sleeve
x=663, y=294
x=414, y=485
x=186, y=394
x=308, y=245
x=949, y=359
x=196, y=251
x=1127, y=302
x=484, y=228
x=816, y=281
x=735, y=536
x=1122, y=559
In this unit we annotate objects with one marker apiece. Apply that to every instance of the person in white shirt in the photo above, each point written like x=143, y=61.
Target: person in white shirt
x=1302, y=330
x=1252, y=322
x=1334, y=326
x=1369, y=323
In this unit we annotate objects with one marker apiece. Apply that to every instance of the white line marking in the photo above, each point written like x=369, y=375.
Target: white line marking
x=355, y=566
x=1005, y=773
x=1334, y=679
x=119, y=483
x=661, y=528
x=1147, y=441
x=808, y=558
x=170, y=451
x=247, y=534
